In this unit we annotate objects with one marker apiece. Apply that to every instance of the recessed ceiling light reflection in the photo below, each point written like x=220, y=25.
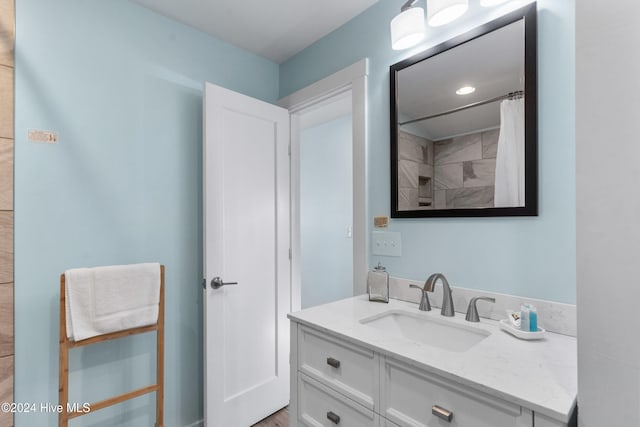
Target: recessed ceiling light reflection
x=466, y=90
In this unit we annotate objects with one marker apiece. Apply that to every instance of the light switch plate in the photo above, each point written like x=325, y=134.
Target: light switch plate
x=386, y=243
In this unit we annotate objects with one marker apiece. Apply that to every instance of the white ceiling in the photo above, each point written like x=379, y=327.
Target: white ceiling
x=275, y=29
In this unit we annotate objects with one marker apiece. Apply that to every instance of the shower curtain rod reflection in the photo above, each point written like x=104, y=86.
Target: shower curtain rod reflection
x=511, y=95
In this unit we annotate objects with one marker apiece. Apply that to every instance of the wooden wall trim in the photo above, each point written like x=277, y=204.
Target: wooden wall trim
x=7, y=42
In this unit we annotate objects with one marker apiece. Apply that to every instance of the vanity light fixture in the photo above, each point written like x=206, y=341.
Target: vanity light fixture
x=441, y=12
x=465, y=90
x=407, y=28
x=491, y=3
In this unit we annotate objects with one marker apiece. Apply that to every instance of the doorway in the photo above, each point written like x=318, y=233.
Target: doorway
x=325, y=108
x=326, y=201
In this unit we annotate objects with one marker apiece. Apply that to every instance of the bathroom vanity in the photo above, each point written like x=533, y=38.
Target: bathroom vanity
x=358, y=363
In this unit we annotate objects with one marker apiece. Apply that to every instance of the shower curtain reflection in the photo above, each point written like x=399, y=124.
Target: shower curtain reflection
x=509, y=184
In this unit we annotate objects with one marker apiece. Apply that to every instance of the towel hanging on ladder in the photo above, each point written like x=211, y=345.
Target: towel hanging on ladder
x=101, y=300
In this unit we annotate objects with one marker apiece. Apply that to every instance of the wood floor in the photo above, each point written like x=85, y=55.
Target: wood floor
x=279, y=419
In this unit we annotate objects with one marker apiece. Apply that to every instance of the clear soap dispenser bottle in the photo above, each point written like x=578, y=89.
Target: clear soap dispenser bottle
x=378, y=284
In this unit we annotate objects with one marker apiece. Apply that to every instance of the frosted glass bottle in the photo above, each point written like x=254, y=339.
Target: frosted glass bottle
x=378, y=284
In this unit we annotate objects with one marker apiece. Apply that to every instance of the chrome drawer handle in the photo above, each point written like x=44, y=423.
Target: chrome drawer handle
x=334, y=418
x=335, y=363
x=442, y=413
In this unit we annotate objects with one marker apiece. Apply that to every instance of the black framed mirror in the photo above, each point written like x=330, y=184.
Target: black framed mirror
x=464, y=131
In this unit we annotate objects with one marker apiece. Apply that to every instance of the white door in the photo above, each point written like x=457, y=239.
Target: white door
x=246, y=220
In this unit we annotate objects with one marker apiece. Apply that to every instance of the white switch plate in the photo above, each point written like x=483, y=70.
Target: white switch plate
x=387, y=243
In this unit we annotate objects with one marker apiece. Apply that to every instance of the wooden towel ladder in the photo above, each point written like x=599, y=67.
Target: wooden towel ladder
x=66, y=345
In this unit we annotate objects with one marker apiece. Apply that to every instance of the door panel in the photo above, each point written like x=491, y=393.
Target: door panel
x=246, y=190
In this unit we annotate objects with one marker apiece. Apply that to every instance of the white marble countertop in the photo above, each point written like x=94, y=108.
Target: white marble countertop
x=540, y=375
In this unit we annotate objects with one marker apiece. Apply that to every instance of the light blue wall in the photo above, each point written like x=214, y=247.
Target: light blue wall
x=326, y=212
x=533, y=257
x=122, y=87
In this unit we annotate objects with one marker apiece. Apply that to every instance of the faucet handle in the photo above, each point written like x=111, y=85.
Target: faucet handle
x=472, y=310
x=425, y=305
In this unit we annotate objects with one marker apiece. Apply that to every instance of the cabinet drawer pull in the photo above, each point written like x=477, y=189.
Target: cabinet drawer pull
x=442, y=413
x=334, y=418
x=334, y=363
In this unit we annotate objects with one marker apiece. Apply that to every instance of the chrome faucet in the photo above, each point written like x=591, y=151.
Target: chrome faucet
x=425, y=305
x=447, y=299
x=472, y=310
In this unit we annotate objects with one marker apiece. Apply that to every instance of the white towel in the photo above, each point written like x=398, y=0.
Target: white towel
x=101, y=300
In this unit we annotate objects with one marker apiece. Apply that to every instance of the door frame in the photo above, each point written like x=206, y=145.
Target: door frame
x=352, y=78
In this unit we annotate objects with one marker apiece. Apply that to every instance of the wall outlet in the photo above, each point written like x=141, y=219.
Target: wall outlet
x=387, y=243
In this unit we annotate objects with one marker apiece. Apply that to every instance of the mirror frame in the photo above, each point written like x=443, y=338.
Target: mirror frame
x=528, y=14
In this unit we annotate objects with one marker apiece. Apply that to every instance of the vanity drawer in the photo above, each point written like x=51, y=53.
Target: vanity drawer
x=386, y=423
x=347, y=368
x=319, y=405
x=542, y=421
x=410, y=394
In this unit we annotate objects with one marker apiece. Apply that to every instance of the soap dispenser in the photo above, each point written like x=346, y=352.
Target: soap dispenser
x=378, y=284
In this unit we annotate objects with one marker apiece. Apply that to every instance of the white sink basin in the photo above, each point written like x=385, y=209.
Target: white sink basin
x=433, y=331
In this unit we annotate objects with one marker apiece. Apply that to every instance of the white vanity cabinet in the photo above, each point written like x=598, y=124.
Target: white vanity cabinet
x=319, y=405
x=345, y=371
x=412, y=397
x=543, y=421
x=346, y=368
x=335, y=382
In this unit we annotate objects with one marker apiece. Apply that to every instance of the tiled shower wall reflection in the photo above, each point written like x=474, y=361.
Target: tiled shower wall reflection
x=451, y=173
x=415, y=172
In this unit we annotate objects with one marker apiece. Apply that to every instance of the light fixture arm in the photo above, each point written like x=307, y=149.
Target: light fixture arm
x=408, y=5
